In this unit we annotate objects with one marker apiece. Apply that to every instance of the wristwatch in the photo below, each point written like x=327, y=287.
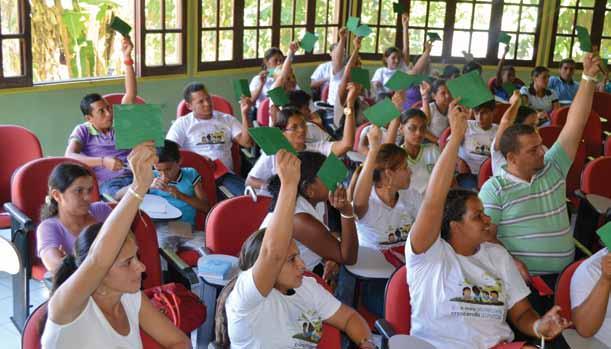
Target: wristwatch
x=348, y=111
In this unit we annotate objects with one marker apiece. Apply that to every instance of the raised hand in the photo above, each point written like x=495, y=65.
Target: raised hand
x=343, y=33
x=591, y=63
x=141, y=160
x=405, y=20
x=354, y=90
x=425, y=89
x=552, y=324
x=605, y=266
x=398, y=99
x=357, y=43
x=515, y=98
x=288, y=167
x=374, y=136
x=458, y=116
x=245, y=104
x=263, y=76
x=428, y=46
x=293, y=47
x=127, y=47
x=339, y=200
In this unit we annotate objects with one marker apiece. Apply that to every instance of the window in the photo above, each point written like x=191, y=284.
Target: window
x=591, y=14
x=471, y=28
x=164, y=36
x=14, y=44
x=262, y=24
x=521, y=22
x=426, y=16
x=383, y=21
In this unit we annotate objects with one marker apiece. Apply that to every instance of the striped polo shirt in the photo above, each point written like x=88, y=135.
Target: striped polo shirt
x=531, y=217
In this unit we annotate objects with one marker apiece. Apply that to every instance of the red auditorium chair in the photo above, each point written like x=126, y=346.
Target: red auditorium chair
x=485, y=172
x=397, y=308
x=263, y=113
x=116, y=98
x=562, y=294
x=592, y=134
x=205, y=168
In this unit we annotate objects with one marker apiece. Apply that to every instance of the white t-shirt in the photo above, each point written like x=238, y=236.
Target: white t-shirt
x=323, y=71
x=211, y=138
x=365, y=131
x=462, y=302
x=544, y=103
x=439, y=121
x=585, y=278
x=498, y=160
x=383, y=226
x=422, y=166
x=91, y=329
x=256, y=82
x=278, y=320
x=334, y=81
x=316, y=134
x=383, y=74
x=309, y=257
x=475, y=148
x=265, y=167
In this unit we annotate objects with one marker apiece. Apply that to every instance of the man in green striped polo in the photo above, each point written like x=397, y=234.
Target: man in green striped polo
x=526, y=201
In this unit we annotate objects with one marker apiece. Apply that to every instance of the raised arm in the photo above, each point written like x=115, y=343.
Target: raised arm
x=131, y=88
x=69, y=300
x=243, y=137
x=499, y=68
x=423, y=60
x=255, y=93
x=589, y=315
x=579, y=112
x=279, y=232
x=398, y=99
x=337, y=55
x=342, y=89
x=426, y=228
x=364, y=183
x=509, y=117
x=342, y=146
x=287, y=66
x=405, y=37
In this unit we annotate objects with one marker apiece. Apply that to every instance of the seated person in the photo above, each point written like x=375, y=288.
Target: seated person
x=96, y=300
x=476, y=145
x=564, y=85
x=181, y=186
x=68, y=209
x=422, y=67
x=471, y=66
x=294, y=128
x=262, y=82
x=393, y=59
x=270, y=304
x=317, y=245
x=505, y=75
x=537, y=95
x=320, y=77
x=435, y=100
x=93, y=142
x=211, y=133
x=591, y=297
x=447, y=251
x=317, y=131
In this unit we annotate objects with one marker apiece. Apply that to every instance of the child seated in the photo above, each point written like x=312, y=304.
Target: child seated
x=537, y=95
x=316, y=127
x=272, y=59
x=563, y=84
x=505, y=77
x=181, y=186
x=393, y=60
x=435, y=100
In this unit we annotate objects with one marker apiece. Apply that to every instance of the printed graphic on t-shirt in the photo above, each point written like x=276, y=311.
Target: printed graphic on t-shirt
x=310, y=333
x=216, y=137
x=479, y=149
x=429, y=167
x=484, y=300
x=398, y=235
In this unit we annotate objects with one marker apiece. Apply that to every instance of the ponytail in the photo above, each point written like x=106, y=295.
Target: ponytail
x=49, y=208
x=65, y=270
x=221, y=333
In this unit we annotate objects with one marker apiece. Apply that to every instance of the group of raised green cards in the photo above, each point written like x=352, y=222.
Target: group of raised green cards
x=271, y=140
x=400, y=81
x=471, y=89
x=136, y=123
x=353, y=26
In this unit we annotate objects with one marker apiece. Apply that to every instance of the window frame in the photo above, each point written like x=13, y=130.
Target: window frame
x=25, y=38
x=238, y=45
x=596, y=31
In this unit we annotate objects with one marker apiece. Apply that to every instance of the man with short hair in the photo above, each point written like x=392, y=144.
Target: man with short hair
x=527, y=200
x=211, y=133
x=563, y=85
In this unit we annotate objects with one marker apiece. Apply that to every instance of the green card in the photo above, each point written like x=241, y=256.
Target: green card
x=241, y=88
x=278, y=96
x=136, y=123
x=119, y=25
x=353, y=24
x=605, y=234
x=504, y=38
x=271, y=72
x=471, y=89
x=270, y=140
x=382, y=112
x=400, y=81
x=584, y=39
x=433, y=36
x=332, y=172
x=399, y=7
x=360, y=76
x=509, y=88
x=363, y=30
x=308, y=41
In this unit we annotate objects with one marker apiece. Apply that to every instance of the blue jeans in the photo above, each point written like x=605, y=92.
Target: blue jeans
x=233, y=182
x=111, y=186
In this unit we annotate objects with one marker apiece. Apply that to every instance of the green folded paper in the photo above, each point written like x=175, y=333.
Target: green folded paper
x=360, y=76
x=308, y=41
x=241, y=88
x=136, y=123
x=278, y=96
x=433, y=36
x=353, y=23
x=271, y=72
x=363, y=30
x=504, y=38
x=604, y=233
x=270, y=140
x=382, y=113
x=509, y=88
x=400, y=81
x=119, y=25
x=471, y=89
x=584, y=39
x=332, y=172
x=399, y=7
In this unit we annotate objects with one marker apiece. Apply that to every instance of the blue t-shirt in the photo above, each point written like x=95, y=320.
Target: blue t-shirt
x=185, y=183
x=565, y=91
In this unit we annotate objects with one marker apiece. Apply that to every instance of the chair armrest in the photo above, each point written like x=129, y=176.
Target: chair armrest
x=177, y=264
x=578, y=193
x=20, y=221
x=384, y=328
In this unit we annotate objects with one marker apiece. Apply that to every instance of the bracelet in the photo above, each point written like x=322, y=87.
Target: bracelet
x=136, y=195
x=128, y=61
x=589, y=78
x=345, y=216
x=535, y=328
